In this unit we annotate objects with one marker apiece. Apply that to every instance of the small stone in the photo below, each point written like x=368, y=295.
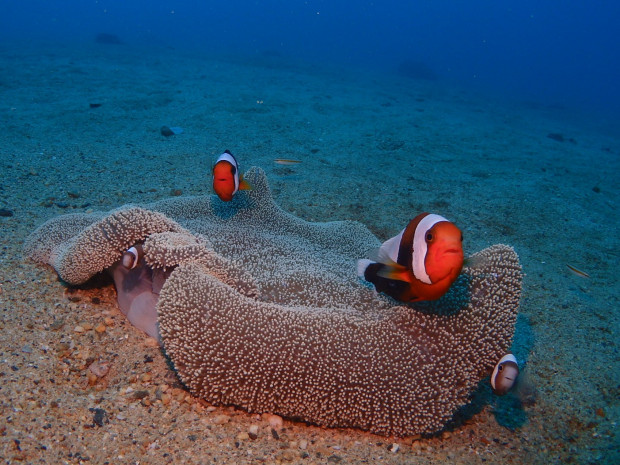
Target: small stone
x=253, y=432
x=167, y=131
x=100, y=416
x=139, y=395
x=303, y=444
x=334, y=458
x=151, y=342
x=147, y=377
x=79, y=329
x=243, y=436
x=57, y=324
x=99, y=368
x=274, y=421
x=27, y=349
x=100, y=328
x=108, y=321
x=221, y=419
x=166, y=398
x=395, y=447
x=287, y=455
x=87, y=326
x=92, y=378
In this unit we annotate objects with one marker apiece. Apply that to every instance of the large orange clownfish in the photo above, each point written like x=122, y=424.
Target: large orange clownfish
x=420, y=263
x=226, y=178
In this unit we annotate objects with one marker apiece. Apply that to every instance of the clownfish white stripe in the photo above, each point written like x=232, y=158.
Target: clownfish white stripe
x=230, y=159
x=420, y=247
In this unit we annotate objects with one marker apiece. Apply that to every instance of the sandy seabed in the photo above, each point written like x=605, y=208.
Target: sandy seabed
x=81, y=132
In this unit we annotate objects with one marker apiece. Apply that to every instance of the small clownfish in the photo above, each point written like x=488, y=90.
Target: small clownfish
x=132, y=256
x=504, y=375
x=226, y=179
x=420, y=263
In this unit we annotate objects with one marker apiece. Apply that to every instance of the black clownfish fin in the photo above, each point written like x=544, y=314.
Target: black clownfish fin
x=395, y=272
x=228, y=152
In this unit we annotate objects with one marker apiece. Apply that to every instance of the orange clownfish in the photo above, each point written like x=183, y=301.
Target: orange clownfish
x=226, y=178
x=420, y=263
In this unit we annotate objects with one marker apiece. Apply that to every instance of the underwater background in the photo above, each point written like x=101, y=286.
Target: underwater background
x=502, y=116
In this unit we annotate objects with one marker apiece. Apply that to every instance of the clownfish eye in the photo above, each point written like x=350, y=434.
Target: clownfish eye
x=500, y=368
x=429, y=237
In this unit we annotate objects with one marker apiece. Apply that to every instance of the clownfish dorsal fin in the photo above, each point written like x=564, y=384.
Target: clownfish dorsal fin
x=388, y=252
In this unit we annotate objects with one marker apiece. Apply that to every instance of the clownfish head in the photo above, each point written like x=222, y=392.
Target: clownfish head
x=226, y=176
x=444, y=253
x=437, y=249
x=504, y=375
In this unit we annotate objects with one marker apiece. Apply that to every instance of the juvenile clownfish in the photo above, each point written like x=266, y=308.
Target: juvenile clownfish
x=132, y=256
x=504, y=375
x=226, y=178
x=420, y=263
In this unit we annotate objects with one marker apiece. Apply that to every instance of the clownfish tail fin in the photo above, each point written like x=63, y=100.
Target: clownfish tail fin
x=244, y=185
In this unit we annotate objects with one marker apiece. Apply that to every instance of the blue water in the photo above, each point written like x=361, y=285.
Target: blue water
x=545, y=51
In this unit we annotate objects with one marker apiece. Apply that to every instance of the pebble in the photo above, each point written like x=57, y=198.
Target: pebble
x=79, y=329
x=100, y=368
x=168, y=131
x=303, y=444
x=253, y=432
x=92, y=378
x=100, y=416
x=395, y=447
x=100, y=328
x=221, y=419
x=274, y=421
x=57, y=324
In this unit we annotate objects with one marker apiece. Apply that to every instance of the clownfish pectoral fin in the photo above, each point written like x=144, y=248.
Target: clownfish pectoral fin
x=395, y=271
x=244, y=185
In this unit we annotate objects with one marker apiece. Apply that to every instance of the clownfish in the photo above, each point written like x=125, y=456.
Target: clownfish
x=504, y=375
x=420, y=263
x=226, y=178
